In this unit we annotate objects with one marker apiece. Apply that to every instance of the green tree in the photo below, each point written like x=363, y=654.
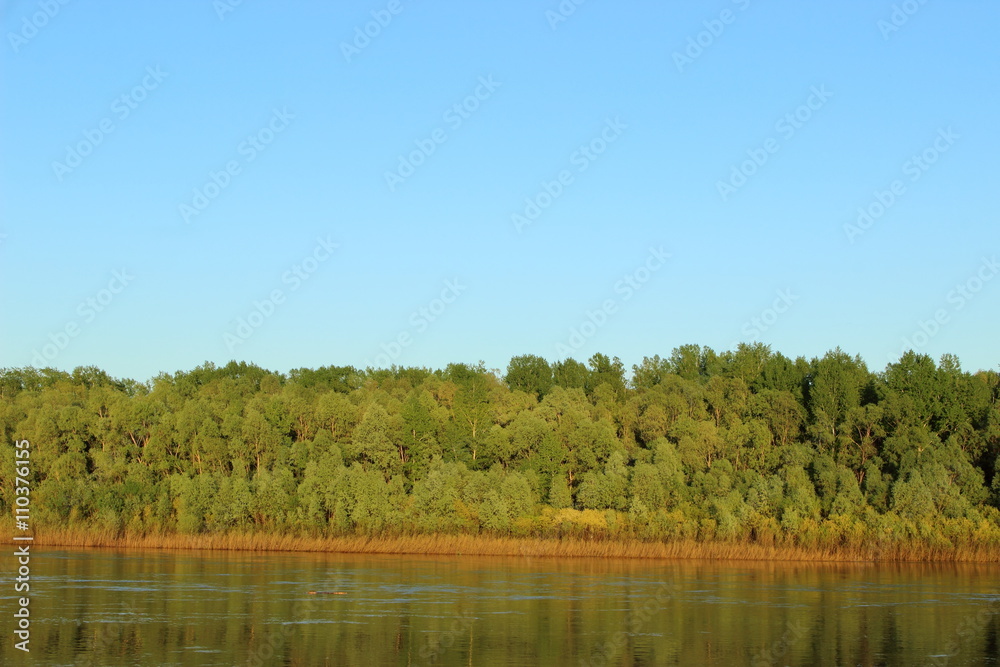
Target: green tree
x=529, y=373
x=690, y=362
x=607, y=489
x=604, y=370
x=559, y=493
x=375, y=444
x=569, y=374
x=652, y=372
x=647, y=486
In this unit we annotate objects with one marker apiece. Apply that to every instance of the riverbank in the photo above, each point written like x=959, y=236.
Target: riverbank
x=481, y=545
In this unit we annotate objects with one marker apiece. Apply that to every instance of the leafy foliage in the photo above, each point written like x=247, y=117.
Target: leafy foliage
x=743, y=445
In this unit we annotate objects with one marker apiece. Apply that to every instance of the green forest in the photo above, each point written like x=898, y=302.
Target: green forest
x=744, y=446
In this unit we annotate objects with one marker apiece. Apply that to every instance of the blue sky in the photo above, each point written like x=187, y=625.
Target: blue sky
x=187, y=182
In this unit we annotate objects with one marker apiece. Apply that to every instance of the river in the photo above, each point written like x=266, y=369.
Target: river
x=152, y=607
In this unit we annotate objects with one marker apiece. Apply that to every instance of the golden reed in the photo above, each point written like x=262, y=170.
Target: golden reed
x=483, y=545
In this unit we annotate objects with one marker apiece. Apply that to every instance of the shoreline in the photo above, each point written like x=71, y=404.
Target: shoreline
x=480, y=545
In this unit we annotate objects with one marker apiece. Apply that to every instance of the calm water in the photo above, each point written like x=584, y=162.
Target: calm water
x=102, y=607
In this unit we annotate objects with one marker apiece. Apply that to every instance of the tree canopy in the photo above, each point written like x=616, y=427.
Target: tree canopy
x=742, y=445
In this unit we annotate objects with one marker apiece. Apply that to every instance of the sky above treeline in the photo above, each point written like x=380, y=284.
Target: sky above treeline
x=391, y=182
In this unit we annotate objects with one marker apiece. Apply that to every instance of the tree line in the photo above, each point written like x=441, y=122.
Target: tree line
x=743, y=445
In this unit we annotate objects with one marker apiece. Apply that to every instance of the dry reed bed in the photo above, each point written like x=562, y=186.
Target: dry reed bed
x=480, y=545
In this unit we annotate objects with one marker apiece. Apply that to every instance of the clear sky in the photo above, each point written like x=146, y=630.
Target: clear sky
x=186, y=181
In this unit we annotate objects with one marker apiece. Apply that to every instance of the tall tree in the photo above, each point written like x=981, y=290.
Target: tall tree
x=529, y=373
x=375, y=444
